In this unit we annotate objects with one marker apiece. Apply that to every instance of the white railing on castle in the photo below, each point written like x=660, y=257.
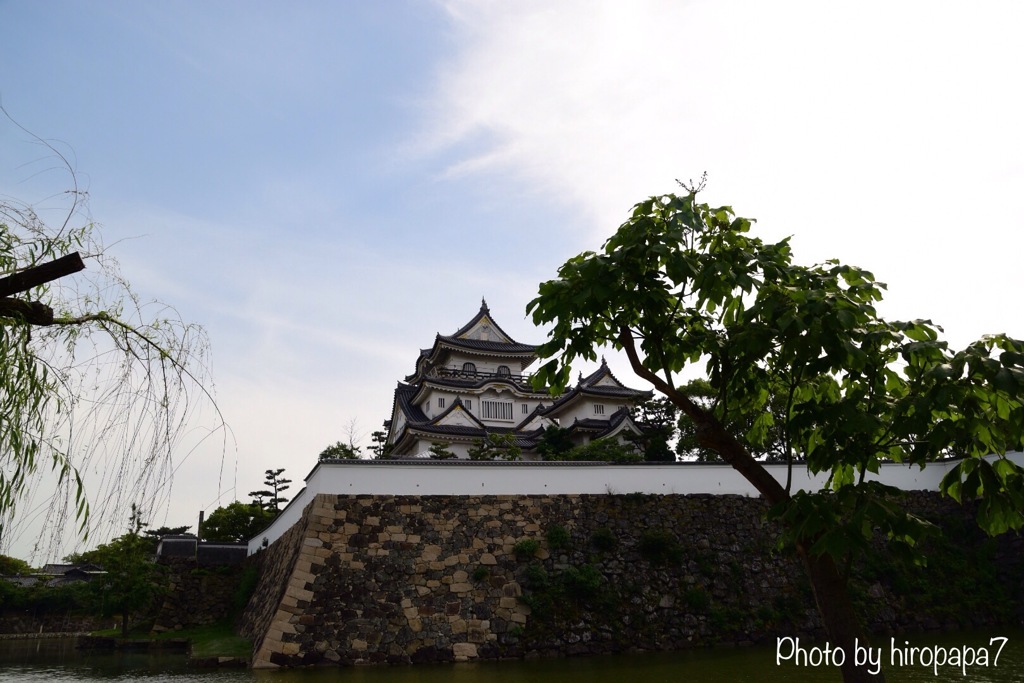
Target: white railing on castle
x=461, y=478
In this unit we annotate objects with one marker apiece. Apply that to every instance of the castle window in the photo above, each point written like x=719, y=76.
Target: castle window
x=440, y=402
x=503, y=371
x=526, y=409
x=497, y=410
x=469, y=404
x=598, y=409
x=469, y=368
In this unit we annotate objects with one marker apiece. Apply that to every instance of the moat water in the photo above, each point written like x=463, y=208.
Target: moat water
x=968, y=656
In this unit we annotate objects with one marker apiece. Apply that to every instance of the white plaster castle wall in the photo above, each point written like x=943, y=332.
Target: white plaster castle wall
x=584, y=409
x=431, y=478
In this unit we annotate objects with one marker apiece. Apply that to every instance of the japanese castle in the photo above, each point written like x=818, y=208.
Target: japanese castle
x=472, y=384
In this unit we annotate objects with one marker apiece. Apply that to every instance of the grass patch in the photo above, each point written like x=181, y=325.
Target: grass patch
x=213, y=640
x=216, y=640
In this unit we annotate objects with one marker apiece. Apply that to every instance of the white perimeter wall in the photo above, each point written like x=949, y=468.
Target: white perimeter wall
x=434, y=477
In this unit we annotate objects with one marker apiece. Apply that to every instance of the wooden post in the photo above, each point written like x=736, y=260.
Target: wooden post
x=41, y=274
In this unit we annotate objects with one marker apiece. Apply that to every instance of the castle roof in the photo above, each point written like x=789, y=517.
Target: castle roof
x=599, y=384
x=475, y=366
x=480, y=336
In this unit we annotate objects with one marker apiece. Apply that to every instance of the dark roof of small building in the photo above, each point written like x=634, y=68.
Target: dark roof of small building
x=221, y=553
x=177, y=546
x=55, y=569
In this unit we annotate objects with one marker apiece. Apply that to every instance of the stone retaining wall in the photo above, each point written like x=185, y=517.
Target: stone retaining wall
x=196, y=596
x=29, y=623
x=398, y=579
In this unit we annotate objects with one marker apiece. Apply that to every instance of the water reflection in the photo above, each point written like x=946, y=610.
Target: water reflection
x=57, y=661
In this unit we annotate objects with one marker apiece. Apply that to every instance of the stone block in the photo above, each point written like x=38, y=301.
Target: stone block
x=512, y=589
x=299, y=594
x=464, y=651
x=488, y=559
x=460, y=587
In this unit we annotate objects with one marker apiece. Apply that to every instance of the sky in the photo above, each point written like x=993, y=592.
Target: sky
x=324, y=186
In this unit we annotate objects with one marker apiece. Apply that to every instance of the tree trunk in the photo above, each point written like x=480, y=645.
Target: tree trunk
x=842, y=625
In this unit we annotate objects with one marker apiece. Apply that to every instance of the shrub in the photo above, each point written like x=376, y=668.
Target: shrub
x=696, y=599
x=439, y=452
x=558, y=537
x=246, y=586
x=582, y=583
x=526, y=547
x=659, y=546
x=603, y=539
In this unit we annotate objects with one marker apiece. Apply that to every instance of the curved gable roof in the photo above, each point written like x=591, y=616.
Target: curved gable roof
x=599, y=384
x=480, y=336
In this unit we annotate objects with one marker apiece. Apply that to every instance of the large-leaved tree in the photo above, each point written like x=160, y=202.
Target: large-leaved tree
x=799, y=357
